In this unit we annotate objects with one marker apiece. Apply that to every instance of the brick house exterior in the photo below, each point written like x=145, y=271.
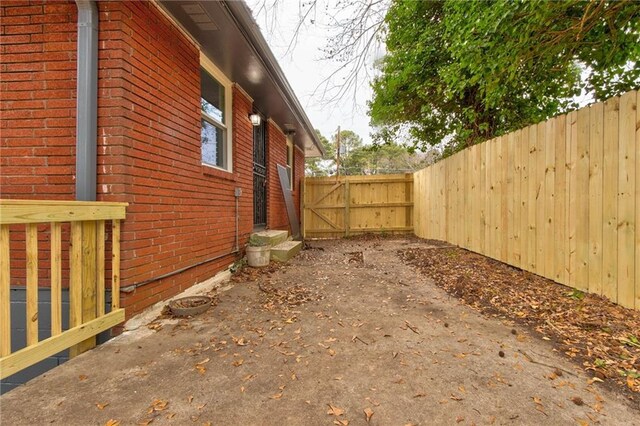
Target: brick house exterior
x=180, y=226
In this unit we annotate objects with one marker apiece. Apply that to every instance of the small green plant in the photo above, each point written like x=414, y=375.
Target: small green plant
x=600, y=363
x=629, y=373
x=576, y=294
x=256, y=242
x=631, y=340
x=238, y=265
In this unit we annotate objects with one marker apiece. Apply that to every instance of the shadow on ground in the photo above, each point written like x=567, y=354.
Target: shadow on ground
x=343, y=334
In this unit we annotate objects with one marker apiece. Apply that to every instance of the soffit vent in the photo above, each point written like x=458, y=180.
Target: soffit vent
x=200, y=17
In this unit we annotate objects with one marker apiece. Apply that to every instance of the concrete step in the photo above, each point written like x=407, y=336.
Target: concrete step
x=272, y=237
x=285, y=250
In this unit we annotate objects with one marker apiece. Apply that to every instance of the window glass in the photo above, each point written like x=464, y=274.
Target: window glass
x=213, y=133
x=213, y=144
x=212, y=97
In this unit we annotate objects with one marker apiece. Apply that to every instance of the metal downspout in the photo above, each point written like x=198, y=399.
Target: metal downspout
x=87, y=101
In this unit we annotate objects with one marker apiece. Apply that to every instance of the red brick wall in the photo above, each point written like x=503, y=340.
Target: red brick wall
x=37, y=99
x=276, y=154
x=180, y=213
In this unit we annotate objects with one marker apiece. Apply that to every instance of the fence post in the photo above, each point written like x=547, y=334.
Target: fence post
x=347, y=207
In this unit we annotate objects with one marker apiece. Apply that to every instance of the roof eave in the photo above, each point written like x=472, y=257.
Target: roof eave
x=246, y=23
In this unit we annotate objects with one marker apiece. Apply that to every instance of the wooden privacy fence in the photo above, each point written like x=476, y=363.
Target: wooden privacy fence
x=22, y=228
x=345, y=205
x=560, y=199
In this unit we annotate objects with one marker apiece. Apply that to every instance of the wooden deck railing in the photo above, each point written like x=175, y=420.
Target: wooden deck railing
x=86, y=275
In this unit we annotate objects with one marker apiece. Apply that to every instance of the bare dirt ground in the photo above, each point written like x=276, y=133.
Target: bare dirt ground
x=588, y=328
x=347, y=333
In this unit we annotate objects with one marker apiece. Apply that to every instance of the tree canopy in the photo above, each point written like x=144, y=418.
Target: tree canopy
x=357, y=158
x=463, y=72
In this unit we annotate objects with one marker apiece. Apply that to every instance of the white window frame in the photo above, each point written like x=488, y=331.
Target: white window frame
x=218, y=75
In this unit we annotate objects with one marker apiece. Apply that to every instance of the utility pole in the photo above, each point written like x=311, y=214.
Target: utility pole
x=338, y=153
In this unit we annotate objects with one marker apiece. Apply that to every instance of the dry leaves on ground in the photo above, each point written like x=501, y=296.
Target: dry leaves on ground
x=588, y=328
x=334, y=411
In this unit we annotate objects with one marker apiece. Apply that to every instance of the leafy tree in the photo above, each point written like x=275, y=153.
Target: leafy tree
x=463, y=72
x=359, y=159
x=325, y=165
x=353, y=154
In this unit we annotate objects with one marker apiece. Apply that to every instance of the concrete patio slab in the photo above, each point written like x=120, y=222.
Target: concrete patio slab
x=343, y=332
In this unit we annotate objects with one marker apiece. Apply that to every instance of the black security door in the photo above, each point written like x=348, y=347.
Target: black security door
x=259, y=176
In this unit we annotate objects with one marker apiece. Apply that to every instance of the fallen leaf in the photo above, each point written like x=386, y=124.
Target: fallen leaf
x=101, y=406
x=459, y=419
x=368, y=412
x=341, y=422
x=201, y=369
x=82, y=377
x=204, y=361
x=332, y=352
x=170, y=415
x=239, y=341
x=242, y=389
x=276, y=396
x=145, y=422
x=248, y=377
x=190, y=399
x=335, y=411
x=631, y=382
x=159, y=404
x=112, y=422
x=577, y=400
x=238, y=362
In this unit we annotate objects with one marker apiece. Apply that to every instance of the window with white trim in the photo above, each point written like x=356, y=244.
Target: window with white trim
x=215, y=132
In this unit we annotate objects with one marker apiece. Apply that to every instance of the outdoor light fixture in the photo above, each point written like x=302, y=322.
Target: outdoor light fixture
x=255, y=119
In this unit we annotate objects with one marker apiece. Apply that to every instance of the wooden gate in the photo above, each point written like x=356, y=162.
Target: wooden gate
x=342, y=206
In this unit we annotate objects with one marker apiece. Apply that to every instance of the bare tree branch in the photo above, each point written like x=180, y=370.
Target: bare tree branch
x=355, y=29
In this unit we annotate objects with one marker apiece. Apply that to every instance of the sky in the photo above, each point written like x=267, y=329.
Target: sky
x=305, y=69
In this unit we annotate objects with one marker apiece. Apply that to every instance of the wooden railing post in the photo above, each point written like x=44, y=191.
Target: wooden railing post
x=100, y=268
x=115, y=265
x=32, y=283
x=5, y=292
x=75, y=280
x=56, y=279
x=89, y=283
